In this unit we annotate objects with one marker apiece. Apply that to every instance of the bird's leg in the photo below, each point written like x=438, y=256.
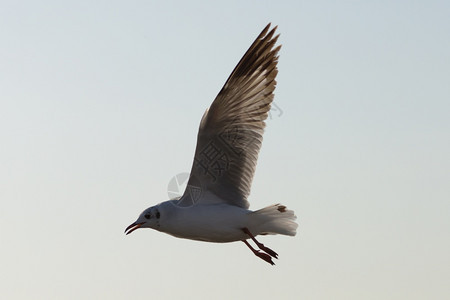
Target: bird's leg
x=260, y=245
x=261, y=255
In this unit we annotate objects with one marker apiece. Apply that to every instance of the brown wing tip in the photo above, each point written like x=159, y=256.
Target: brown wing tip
x=264, y=31
x=269, y=35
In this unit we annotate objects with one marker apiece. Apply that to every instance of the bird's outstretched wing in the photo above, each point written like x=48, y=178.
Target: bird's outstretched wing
x=231, y=130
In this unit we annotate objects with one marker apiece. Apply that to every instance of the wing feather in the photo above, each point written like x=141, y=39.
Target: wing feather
x=231, y=130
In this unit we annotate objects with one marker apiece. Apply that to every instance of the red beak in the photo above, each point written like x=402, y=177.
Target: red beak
x=133, y=227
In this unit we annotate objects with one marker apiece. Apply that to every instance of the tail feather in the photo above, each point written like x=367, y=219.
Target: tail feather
x=274, y=219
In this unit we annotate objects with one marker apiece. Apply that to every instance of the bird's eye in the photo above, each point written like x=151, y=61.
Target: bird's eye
x=158, y=215
x=147, y=216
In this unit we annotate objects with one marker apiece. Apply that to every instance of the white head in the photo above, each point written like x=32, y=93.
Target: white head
x=149, y=218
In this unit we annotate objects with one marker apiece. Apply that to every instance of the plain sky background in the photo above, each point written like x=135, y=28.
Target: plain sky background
x=100, y=103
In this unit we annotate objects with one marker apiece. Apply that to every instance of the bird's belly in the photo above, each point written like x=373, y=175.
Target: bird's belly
x=219, y=223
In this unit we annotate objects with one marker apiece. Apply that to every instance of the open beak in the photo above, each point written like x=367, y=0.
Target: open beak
x=133, y=227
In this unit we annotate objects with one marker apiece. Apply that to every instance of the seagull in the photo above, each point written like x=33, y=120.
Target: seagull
x=214, y=207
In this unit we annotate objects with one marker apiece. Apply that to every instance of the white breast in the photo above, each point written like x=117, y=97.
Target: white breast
x=218, y=223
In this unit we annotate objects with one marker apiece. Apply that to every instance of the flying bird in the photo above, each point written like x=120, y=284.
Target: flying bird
x=214, y=206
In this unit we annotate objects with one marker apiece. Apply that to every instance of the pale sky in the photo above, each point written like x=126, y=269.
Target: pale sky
x=100, y=106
